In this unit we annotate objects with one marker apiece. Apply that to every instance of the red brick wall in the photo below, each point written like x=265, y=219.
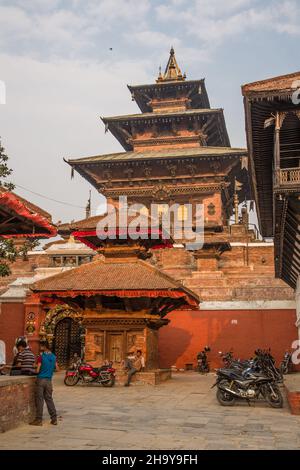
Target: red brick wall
x=293, y=401
x=17, y=398
x=189, y=331
x=11, y=325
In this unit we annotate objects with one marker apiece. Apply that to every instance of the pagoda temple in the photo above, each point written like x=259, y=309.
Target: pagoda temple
x=177, y=150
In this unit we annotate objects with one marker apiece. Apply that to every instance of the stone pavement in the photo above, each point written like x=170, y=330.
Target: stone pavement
x=179, y=414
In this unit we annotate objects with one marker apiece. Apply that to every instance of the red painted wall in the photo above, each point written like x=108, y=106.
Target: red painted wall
x=11, y=326
x=189, y=331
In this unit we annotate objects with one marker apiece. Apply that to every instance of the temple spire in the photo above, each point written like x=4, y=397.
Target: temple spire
x=172, y=71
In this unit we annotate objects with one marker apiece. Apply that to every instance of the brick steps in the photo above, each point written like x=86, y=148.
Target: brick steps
x=234, y=272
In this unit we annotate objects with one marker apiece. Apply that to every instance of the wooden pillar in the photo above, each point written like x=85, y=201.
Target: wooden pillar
x=277, y=147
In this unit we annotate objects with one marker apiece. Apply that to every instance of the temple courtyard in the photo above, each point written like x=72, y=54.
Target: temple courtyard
x=182, y=413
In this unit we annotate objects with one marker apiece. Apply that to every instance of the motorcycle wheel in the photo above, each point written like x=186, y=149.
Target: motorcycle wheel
x=274, y=402
x=71, y=380
x=225, y=398
x=109, y=383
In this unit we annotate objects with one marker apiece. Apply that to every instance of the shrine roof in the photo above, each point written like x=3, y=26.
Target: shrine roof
x=21, y=218
x=32, y=207
x=133, y=278
x=161, y=154
x=273, y=85
x=156, y=115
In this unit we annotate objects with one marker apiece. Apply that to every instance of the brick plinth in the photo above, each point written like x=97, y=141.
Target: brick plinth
x=151, y=377
x=17, y=401
x=292, y=388
x=293, y=399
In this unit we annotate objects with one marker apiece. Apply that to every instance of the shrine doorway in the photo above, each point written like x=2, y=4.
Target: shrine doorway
x=115, y=347
x=67, y=341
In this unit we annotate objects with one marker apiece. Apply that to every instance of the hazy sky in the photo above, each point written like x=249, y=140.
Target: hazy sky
x=61, y=75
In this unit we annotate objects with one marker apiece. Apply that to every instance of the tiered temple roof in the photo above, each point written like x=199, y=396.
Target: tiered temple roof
x=177, y=148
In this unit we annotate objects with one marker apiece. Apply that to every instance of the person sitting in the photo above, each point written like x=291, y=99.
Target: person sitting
x=134, y=364
x=75, y=362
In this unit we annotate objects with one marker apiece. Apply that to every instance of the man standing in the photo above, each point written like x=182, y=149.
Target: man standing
x=25, y=359
x=134, y=364
x=46, y=365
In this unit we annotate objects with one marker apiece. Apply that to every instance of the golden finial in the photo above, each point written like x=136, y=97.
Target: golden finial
x=172, y=71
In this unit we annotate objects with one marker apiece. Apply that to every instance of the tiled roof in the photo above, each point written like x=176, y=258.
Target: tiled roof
x=163, y=154
x=188, y=112
x=87, y=224
x=32, y=207
x=166, y=84
x=280, y=83
x=30, y=220
x=104, y=275
x=91, y=222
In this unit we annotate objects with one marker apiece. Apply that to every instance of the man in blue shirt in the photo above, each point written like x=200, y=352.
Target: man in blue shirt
x=46, y=365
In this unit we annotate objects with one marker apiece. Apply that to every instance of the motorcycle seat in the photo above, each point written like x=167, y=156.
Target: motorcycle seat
x=99, y=369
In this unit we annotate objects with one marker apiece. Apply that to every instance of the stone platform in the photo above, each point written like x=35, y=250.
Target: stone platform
x=149, y=377
x=17, y=404
x=181, y=413
x=292, y=387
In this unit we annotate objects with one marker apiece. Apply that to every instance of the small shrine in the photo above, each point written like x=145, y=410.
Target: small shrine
x=110, y=307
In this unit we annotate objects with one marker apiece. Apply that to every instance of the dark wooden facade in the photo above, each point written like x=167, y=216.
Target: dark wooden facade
x=273, y=134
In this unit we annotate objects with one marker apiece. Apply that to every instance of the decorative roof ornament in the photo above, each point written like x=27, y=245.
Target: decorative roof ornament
x=172, y=71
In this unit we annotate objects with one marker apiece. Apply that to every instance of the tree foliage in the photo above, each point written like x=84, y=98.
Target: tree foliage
x=5, y=171
x=8, y=251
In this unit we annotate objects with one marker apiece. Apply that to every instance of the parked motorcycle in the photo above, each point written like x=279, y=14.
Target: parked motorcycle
x=227, y=357
x=202, y=361
x=85, y=373
x=249, y=380
x=265, y=362
x=233, y=385
x=286, y=364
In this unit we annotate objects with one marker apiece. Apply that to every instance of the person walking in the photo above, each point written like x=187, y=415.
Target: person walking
x=46, y=365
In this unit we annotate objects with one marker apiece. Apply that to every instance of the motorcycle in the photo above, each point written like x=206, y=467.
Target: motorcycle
x=286, y=364
x=248, y=385
x=227, y=358
x=85, y=373
x=202, y=362
x=264, y=362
